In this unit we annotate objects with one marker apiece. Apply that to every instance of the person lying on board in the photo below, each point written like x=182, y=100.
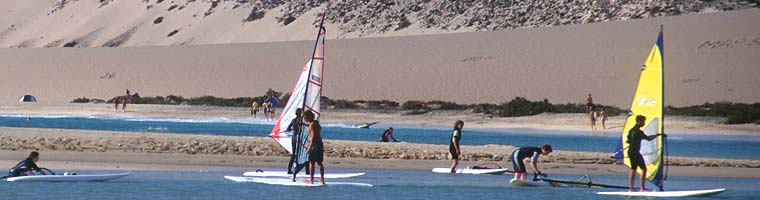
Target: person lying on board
x=27, y=167
x=519, y=154
x=635, y=136
x=316, y=148
x=388, y=135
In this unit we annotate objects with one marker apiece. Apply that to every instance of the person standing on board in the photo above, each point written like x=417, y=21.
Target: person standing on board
x=295, y=126
x=27, y=166
x=254, y=108
x=454, y=150
x=635, y=136
x=519, y=154
x=316, y=148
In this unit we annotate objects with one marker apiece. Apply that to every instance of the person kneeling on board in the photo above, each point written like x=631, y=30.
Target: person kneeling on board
x=27, y=167
x=521, y=153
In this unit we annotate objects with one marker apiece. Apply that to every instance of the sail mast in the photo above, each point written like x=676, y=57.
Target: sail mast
x=662, y=117
x=311, y=63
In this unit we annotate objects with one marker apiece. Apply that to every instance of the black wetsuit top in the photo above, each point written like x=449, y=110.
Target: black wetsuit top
x=456, y=136
x=24, y=166
x=635, y=135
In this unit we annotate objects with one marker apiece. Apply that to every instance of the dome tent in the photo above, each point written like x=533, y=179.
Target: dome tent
x=27, y=98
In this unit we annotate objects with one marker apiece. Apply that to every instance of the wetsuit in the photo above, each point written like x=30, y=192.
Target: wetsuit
x=635, y=135
x=295, y=127
x=521, y=153
x=317, y=148
x=455, y=136
x=22, y=167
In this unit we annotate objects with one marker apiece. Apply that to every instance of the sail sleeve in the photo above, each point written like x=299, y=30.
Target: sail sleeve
x=647, y=101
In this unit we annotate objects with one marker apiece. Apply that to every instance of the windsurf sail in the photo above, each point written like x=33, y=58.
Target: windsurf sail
x=305, y=96
x=648, y=101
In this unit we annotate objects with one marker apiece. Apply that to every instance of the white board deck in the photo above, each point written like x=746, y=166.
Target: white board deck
x=689, y=193
x=285, y=174
x=526, y=183
x=471, y=171
x=68, y=178
x=289, y=182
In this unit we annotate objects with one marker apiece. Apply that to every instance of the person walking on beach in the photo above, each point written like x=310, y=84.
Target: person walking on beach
x=316, y=148
x=589, y=103
x=635, y=136
x=603, y=115
x=116, y=104
x=254, y=108
x=295, y=126
x=454, y=150
x=266, y=110
x=592, y=116
x=388, y=135
x=271, y=111
x=519, y=154
x=27, y=167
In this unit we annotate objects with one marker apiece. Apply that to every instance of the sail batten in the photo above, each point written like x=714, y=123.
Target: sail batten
x=648, y=102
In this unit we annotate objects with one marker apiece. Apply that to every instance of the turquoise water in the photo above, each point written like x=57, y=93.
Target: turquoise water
x=736, y=147
x=389, y=184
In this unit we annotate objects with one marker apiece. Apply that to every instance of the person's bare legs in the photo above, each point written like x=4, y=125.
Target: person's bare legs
x=631, y=176
x=454, y=164
x=321, y=172
x=311, y=173
x=124, y=106
x=642, y=179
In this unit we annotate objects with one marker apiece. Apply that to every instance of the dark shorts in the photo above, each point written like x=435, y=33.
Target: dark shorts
x=637, y=161
x=453, y=154
x=317, y=154
x=517, y=164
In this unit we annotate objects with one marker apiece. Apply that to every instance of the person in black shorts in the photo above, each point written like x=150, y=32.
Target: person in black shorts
x=454, y=144
x=316, y=148
x=635, y=136
x=519, y=154
x=27, y=166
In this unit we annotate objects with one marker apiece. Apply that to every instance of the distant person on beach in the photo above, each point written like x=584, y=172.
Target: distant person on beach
x=519, y=154
x=316, y=148
x=388, y=135
x=592, y=116
x=295, y=126
x=254, y=108
x=589, y=103
x=116, y=104
x=603, y=115
x=264, y=106
x=635, y=136
x=124, y=105
x=454, y=150
x=27, y=167
x=271, y=111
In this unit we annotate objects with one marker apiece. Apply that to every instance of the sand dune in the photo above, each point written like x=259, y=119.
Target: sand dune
x=709, y=57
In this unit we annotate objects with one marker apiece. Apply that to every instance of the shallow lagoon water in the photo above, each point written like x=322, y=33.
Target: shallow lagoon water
x=388, y=184
x=734, y=147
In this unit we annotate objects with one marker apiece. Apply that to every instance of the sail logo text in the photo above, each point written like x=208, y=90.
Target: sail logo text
x=644, y=101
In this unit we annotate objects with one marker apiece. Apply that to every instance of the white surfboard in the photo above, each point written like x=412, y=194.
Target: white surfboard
x=522, y=183
x=689, y=193
x=471, y=171
x=289, y=182
x=68, y=178
x=285, y=174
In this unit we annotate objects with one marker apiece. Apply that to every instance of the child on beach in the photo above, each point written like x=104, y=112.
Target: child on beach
x=116, y=104
x=592, y=116
x=454, y=150
x=254, y=108
x=603, y=114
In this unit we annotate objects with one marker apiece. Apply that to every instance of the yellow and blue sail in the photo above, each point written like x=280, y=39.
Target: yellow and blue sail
x=648, y=101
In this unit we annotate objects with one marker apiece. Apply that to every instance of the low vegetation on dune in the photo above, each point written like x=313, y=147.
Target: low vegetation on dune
x=735, y=113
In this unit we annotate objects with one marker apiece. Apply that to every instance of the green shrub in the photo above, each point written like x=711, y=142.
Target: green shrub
x=81, y=100
x=412, y=105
